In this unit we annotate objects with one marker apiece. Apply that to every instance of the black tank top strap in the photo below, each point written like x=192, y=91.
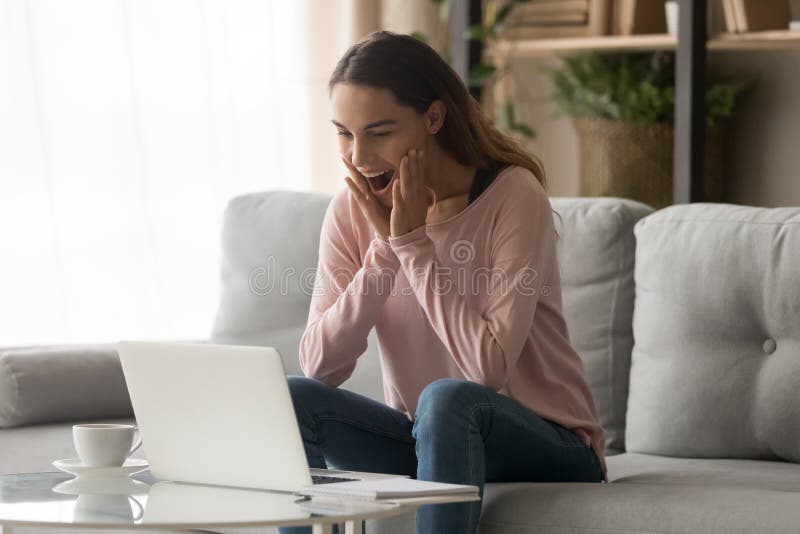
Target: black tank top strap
x=482, y=179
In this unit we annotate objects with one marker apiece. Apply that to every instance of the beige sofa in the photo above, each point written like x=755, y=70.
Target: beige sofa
x=687, y=321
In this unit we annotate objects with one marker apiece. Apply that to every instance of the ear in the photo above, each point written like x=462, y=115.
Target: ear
x=434, y=117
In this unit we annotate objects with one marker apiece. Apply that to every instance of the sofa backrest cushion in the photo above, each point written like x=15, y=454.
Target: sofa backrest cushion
x=270, y=247
x=61, y=383
x=716, y=361
x=270, y=251
x=596, y=256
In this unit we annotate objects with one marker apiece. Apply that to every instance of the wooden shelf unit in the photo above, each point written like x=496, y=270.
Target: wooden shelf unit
x=690, y=69
x=767, y=40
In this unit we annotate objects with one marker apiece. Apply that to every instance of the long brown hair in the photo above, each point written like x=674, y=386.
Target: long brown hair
x=417, y=75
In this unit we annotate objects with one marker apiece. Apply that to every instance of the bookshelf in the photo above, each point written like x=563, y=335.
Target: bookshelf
x=691, y=45
x=526, y=48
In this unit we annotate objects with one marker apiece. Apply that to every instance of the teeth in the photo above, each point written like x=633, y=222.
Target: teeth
x=373, y=175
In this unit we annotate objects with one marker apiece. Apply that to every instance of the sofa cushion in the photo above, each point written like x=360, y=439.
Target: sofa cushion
x=656, y=495
x=716, y=361
x=596, y=256
x=646, y=493
x=270, y=248
x=66, y=383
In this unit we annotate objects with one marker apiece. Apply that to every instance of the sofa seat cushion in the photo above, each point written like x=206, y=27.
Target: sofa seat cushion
x=645, y=494
x=649, y=493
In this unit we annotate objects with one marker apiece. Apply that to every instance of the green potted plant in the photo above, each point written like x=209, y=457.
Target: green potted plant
x=623, y=106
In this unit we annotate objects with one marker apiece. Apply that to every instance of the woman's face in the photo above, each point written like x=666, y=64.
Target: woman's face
x=375, y=132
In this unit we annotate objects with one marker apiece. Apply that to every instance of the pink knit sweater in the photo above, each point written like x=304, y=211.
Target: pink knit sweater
x=476, y=296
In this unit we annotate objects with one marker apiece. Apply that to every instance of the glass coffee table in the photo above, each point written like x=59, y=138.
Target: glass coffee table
x=142, y=502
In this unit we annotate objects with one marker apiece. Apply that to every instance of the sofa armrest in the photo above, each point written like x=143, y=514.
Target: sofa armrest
x=56, y=383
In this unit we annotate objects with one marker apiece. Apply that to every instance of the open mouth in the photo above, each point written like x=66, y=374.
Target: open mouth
x=381, y=183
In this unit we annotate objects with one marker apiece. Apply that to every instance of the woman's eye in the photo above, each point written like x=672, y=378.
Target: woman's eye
x=376, y=134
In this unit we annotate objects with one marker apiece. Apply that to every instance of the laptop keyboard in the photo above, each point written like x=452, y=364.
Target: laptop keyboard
x=325, y=479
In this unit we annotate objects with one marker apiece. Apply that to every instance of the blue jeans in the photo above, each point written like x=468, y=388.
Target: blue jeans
x=463, y=433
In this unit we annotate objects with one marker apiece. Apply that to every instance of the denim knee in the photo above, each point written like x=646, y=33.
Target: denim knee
x=303, y=391
x=443, y=400
x=302, y=388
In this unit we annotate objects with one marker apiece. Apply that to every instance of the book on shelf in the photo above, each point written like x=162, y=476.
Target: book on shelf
x=548, y=10
x=600, y=15
x=575, y=17
x=756, y=15
x=730, y=17
x=633, y=17
x=544, y=32
x=550, y=19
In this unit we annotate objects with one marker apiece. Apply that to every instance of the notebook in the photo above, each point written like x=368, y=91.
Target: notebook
x=390, y=488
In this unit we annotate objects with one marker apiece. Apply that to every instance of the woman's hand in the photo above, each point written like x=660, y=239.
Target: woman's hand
x=409, y=198
x=377, y=214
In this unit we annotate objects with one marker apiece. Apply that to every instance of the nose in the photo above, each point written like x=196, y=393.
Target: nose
x=359, y=155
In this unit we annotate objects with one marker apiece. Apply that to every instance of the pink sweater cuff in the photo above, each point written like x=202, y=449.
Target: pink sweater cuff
x=416, y=234
x=382, y=255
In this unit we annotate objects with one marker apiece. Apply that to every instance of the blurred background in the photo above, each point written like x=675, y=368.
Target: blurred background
x=127, y=125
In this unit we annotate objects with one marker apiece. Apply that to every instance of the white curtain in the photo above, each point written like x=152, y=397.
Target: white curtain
x=125, y=127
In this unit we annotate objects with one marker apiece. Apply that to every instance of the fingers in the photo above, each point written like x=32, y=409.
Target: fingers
x=404, y=171
x=397, y=201
x=419, y=177
x=358, y=195
x=415, y=166
x=358, y=179
x=413, y=178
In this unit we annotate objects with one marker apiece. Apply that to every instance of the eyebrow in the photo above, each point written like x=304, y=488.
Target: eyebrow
x=370, y=125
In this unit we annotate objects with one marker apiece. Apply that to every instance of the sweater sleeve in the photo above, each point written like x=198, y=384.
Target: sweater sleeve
x=348, y=295
x=486, y=344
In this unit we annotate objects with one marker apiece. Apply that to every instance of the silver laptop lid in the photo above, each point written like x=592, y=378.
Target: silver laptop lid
x=215, y=414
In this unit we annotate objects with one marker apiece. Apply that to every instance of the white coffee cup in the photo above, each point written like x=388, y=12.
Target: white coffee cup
x=103, y=444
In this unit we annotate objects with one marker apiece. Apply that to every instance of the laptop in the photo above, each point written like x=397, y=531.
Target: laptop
x=220, y=415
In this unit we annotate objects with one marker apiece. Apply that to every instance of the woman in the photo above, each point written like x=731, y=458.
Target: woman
x=444, y=242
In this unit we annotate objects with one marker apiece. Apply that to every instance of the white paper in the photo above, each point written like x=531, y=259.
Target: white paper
x=389, y=488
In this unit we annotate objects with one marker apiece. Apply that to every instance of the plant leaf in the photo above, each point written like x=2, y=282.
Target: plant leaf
x=419, y=36
x=502, y=14
x=479, y=32
x=633, y=86
x=480, y=74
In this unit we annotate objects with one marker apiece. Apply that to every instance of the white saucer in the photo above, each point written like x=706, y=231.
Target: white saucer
x=75, y=467
x=101, y=486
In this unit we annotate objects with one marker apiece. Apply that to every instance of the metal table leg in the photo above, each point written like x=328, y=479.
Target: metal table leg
x=316, y=529
x=354, y=527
